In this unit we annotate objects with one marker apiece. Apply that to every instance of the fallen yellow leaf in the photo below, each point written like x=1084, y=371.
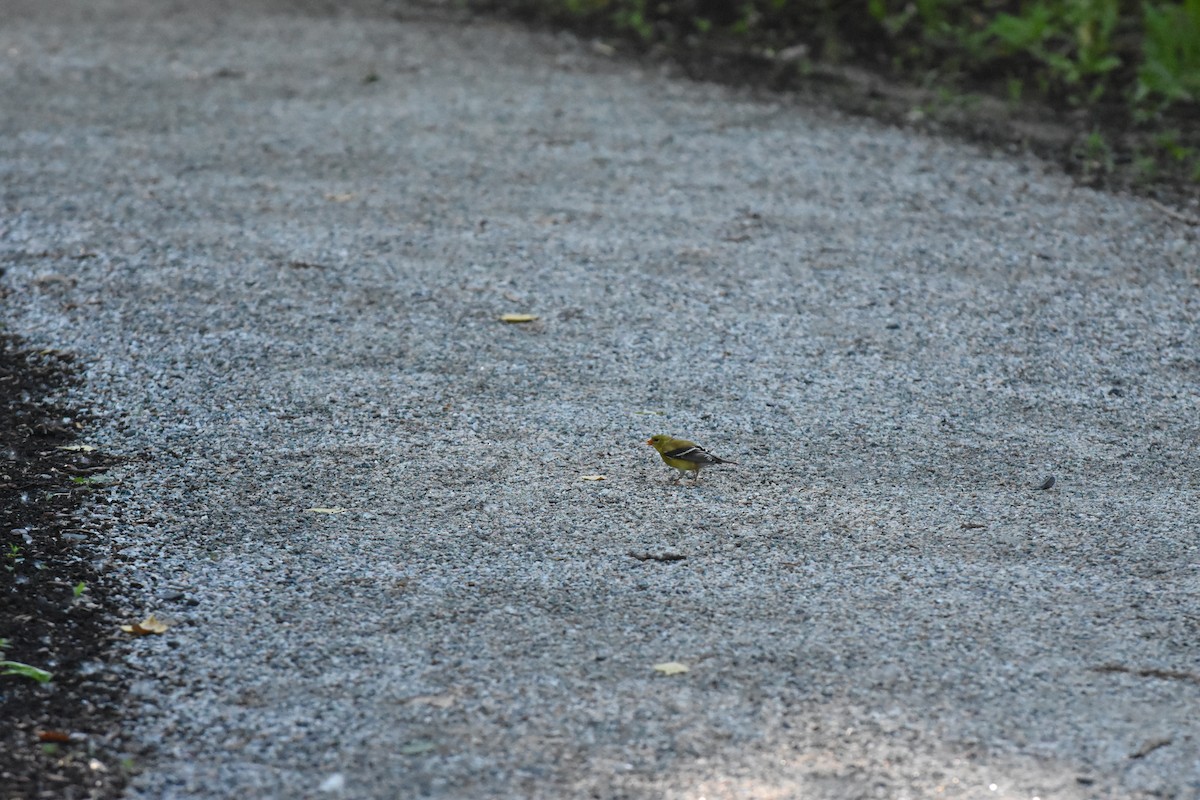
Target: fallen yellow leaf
x=342, y=197
x=671, y=668
x=518, y=318
x=435, y=700
x=323, y=510
x=593, y=477
x=150, y=624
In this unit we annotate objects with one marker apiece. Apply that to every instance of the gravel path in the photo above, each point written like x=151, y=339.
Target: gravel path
x=281, y=239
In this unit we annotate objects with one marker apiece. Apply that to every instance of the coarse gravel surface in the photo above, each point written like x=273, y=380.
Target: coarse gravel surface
x=280, y=237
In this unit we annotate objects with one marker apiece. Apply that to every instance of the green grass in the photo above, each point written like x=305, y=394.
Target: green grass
x=21, y=670
x=24, y=671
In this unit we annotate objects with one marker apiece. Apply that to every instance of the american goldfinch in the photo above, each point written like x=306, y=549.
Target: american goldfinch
x=683, y=455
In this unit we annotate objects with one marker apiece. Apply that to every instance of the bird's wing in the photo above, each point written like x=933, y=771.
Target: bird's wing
x=693, y=453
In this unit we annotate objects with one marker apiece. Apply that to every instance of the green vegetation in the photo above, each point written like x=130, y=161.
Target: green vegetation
x=1123, y=65
x=1170, y=70
x=90, y=481
x=24, y=671
x=1094, y=154
x=21, y=670
x=1145, y=56
x=1080, y=50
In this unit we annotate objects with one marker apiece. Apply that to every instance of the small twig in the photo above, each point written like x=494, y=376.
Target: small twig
x=658, y=557
x=1164, y=674
x=1179, y=215
x=1149, y=747
x=71, y=469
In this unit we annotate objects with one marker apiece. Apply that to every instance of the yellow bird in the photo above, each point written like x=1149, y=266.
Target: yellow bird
x=683, y=455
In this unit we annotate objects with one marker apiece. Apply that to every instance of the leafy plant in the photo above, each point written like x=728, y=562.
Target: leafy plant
x=1095, y=155
x=631, y=15
x=1016, y=87
x=13, y=557
x=1170, y=70
x=1072, y=39
x=1169, y=146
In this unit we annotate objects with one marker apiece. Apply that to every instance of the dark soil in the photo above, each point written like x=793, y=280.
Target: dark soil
x=57, y=739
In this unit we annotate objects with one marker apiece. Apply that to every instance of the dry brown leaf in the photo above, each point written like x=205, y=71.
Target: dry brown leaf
x=593, y=477
x=326, y=510
x=339, y=197
x=518, y=318
x=150, y=624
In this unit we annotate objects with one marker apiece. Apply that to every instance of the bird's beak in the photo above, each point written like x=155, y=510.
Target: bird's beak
x=650, y=442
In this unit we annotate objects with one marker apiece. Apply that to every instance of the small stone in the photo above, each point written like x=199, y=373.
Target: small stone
x=334, y=783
